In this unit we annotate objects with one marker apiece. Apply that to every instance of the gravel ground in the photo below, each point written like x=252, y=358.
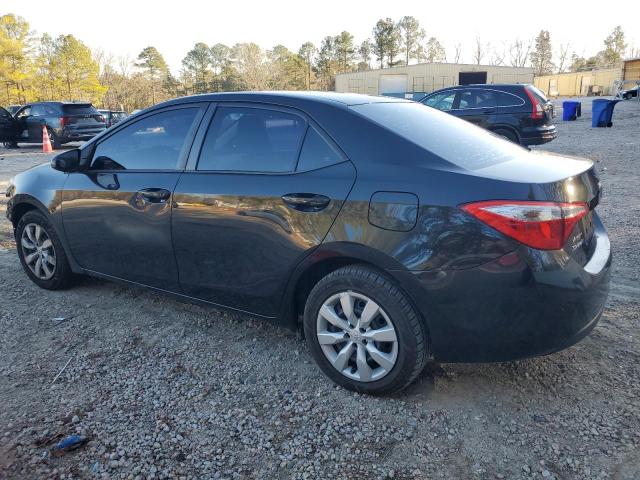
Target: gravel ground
x=165, y=389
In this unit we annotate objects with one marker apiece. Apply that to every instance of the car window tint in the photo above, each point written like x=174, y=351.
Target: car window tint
x=37, y=110
x=25, y=112
x=444, y=135
x=477, y=98
x=442, y=101
x=152, y=143
x=79, y=109
x=252, y=140
x=316, y=152
x=504, y=99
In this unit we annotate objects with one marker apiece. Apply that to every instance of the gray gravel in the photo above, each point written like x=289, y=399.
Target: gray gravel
x=164, y=389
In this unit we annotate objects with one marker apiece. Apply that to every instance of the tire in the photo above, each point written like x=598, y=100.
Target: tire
x=387, y=366
x=55, y=140
x=507, y=134
x=11, y=144
x=52, y=276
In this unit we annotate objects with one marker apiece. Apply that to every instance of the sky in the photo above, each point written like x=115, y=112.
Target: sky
x=124, y=28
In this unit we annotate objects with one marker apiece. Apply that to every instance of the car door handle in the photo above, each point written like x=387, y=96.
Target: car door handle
x=488, y=110
x=154, y=195
x=306, y=202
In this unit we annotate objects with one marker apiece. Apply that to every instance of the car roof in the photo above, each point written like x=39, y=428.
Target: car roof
x=53, y=102
x=293, y=98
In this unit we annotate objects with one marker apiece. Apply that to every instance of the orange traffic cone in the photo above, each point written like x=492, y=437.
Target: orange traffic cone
x=46, y=143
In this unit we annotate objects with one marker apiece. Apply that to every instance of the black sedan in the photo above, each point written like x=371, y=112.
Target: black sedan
x=520, y=113
x=395, y=233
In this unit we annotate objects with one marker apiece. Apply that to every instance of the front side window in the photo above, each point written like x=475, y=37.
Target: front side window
x=252, y=140
x=442, y=101
x=24, y=113
x=152, y=143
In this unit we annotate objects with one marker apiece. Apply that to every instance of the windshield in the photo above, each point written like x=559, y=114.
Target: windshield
x=452, y=139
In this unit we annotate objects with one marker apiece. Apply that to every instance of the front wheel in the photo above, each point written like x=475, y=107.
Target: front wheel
x=41, y=253
x=363, y=332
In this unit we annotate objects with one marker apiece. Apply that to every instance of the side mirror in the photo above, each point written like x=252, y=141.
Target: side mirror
x=68, y=161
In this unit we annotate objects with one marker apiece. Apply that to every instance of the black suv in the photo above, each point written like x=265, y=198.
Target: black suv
x=113, y=116
x=65, y=122
x=520, y=113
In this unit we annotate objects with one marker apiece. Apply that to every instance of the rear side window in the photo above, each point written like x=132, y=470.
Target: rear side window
x=505, y=99
x=444, y=135
x=38, y=111
x=79, y=109
x=316, y=152
x=152, y=143
x=252, y=140
x=477, y=98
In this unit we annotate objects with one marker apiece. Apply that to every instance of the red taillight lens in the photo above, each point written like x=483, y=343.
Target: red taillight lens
x=540, y=225
x=64, y=121
x=537, y=111
x=101, y=119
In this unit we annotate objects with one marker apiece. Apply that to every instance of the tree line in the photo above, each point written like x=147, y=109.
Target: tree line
x=63, y=68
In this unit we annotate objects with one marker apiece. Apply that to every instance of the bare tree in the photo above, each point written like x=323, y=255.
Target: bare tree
x=457, y=53
x=478, y=51
x=498, y=54
x=563, y=57
x=519, y=52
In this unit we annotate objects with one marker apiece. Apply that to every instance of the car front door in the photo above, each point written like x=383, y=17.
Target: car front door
x=22, y=117
x=7, y=126
x=477, y=106
x=259, y=194
x=117, y=212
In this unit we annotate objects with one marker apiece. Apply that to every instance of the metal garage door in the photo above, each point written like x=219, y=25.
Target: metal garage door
x=392, y=84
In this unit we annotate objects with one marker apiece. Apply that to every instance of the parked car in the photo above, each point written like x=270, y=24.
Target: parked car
x=65, y=122
x=396, y=233
x=8, y=128
x=520, y=113
x=12, y=109
x=112, y=117
x=628, y=93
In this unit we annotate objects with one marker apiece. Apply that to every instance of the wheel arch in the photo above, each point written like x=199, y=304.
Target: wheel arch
x=510, y=128
x=328, y=258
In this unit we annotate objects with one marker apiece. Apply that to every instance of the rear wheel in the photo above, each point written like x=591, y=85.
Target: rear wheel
x=41, y=253
x=507, y=134
x=363, y=332
x=10, y=144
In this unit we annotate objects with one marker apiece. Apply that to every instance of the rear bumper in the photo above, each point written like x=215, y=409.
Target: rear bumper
x=538, y=135
x=85, y=134
x=526, y=303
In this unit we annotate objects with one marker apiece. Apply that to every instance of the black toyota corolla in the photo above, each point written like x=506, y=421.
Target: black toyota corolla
x=395, y=233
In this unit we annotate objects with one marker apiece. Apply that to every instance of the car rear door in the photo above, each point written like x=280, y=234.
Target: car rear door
x=117, y=213
x=477, y=106
x=261, y=190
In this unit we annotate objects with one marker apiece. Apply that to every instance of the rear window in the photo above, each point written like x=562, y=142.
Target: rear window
x=79, y=109
x=444, y=135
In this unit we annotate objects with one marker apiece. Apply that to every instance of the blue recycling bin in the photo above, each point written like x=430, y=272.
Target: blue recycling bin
x=570, y=110
x=602, y=112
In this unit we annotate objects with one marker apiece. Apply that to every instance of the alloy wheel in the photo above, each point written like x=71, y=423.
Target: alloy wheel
x=38, y=251
x=357, y=336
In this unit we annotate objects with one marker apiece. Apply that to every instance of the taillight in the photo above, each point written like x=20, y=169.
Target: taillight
x=101, y=119
x=540, y=225
x=64, y=121
x=537, y=111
